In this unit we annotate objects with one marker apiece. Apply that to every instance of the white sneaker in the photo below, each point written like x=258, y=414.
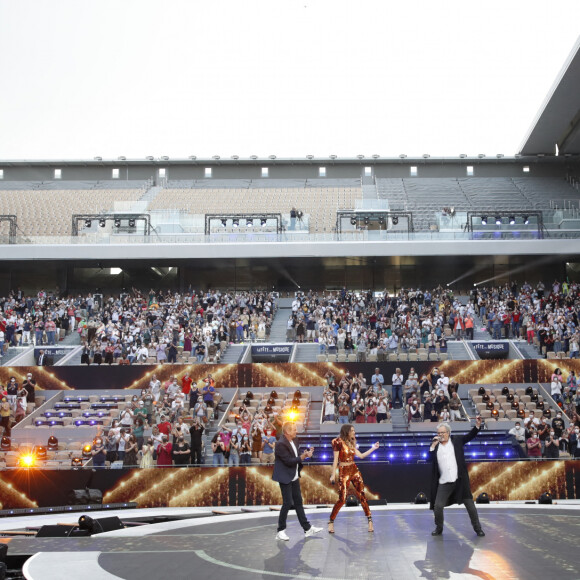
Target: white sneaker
x=313, y=530
x=282, y=535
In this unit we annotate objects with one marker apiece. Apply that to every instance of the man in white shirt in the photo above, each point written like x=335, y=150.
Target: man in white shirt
x=450, y=480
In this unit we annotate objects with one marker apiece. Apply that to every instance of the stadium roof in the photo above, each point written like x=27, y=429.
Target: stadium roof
x=558, y=119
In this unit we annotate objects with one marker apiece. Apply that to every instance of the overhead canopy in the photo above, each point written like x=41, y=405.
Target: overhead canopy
x=558, y=120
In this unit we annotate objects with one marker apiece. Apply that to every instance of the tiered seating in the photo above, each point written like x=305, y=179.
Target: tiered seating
x=59, y=459
x=425, y=197
x=506, y=413
x=317, y=198
x=281, y=406
x=43, y=211
x=80, y=411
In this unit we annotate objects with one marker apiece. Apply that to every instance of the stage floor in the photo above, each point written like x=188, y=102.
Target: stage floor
x=522, y=541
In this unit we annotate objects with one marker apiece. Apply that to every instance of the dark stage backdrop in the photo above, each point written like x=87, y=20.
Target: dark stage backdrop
x=250, y=376
x=250, y=486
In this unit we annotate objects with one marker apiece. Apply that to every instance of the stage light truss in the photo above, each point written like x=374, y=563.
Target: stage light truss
x=492, y=219
x=119, y=220
x=379, y=217
x=214, y=222
x=11, y=219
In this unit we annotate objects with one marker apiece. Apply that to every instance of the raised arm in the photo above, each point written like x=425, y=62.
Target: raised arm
x=366, y=453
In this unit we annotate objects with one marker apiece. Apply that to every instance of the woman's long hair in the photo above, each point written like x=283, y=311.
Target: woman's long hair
x=345, y=435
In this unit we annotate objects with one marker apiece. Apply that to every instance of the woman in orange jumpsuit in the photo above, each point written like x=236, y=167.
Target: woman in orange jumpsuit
x=345, y=450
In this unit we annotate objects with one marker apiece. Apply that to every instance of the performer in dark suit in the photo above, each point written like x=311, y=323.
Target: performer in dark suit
x=450, y=480
x=287, y=467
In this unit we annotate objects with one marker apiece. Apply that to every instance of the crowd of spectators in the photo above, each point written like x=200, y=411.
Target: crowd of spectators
x=429, y=397
x=135, y=326
x=412, y=318
x=163, y=425
x=368, y=323
x=548, y=314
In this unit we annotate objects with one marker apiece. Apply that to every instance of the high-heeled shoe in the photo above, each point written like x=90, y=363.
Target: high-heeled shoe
x=331, y=527
x=371, y=527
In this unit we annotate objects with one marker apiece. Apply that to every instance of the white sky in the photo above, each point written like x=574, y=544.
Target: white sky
x=284, y=77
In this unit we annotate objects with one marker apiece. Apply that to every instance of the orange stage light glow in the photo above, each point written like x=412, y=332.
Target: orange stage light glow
x=27, y=460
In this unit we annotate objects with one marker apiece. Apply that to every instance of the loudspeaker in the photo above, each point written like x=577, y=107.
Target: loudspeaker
x=110, y=524
x=377, y=502
x=100, y=525
x=54, y=531
x=85, y=496
x=351, y=500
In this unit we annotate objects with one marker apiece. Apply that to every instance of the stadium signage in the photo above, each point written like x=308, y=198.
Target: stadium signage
x=487, y=350
x=271, y=352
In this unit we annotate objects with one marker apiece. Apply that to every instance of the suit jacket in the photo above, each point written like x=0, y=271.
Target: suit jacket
x=285, y=461
x=462, y=489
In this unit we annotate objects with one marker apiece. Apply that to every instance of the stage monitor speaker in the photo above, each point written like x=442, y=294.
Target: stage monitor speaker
x=375, y=502
x=54, y=531
x=100, y=525
x=110, y=524
x=351, y=500
x=85, y=496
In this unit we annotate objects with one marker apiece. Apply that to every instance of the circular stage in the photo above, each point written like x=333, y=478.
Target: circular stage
x=521, y=542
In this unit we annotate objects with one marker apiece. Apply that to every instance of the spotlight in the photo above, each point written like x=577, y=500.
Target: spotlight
x=5, y=443
x=482, y=498
x=483, y=220
x=353, y=221
x=236, y=223
x=395, y=220
x=367, y=220
x=76, y=462
x=102, y=223
x=463, y=155
x=545, y=498
x=87, y=524
x=521, y=414
x=526, y=220
x=87, y=447
x=495, y=414
x=26, y=460
x=497, y=220
x=310, y=157
x=403, y=156
x=224, y=222
x=382, y=221
x=131, y=223
x=512, y=220
x=88, y=223
x=40, y=452
x=421, y=498
x=117, y=223
x=263, y=222
x=292, y=415
x=333, y=156
x=249, y=223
